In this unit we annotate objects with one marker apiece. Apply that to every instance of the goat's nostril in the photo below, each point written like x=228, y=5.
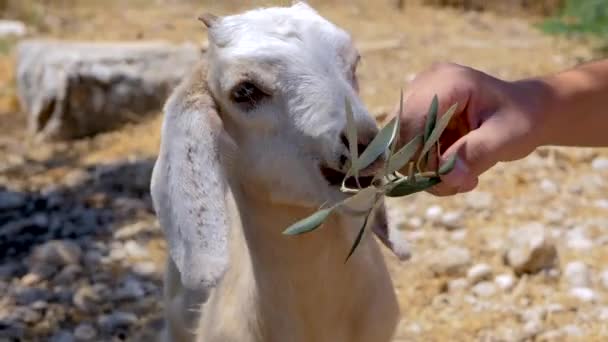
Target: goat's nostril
x=344, y=141
x=360, y=146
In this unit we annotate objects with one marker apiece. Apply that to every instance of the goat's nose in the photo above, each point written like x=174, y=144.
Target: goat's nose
x=362, y=143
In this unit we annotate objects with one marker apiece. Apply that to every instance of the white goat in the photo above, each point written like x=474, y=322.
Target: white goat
x=252, y=142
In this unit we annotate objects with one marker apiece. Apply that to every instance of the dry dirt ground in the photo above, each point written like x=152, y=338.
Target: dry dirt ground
x=93, y=191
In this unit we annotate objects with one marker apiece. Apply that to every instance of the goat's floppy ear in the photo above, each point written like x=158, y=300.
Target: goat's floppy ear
x=189, y=186
x=390, y=236
x=209, y=19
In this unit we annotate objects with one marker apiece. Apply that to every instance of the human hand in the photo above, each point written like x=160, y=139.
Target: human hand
x=495, y=121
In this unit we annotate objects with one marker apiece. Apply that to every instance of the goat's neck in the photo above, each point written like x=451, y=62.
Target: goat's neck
x=305, y=279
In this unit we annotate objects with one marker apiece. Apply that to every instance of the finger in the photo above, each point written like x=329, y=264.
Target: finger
x=477, y=151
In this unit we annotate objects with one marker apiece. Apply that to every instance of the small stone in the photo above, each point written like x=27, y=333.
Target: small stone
x=451, y=261
x=505, y=281
x=530, y=249
x=85, y=332
x=26, y=315
x=39, y=305
x=29, y=295
x=62, y=336
x=576, y=274
x=133, y=230
x=86, y=298
x=452, y=220
x=58, y=253
x=76, y=177
x=604, y=278
x=583, y=294
x=117, y=320
x=601, y=204
x=572, y=330
x=479, y=200
x=68, y=274
x=414, y=222
x=479, y=272
x=600, y=164
x=11, y=200
x=532, y=328
x=603, y=313
x=130, y=290
x=484, y=289
x=549, y=187
x=134, y=249
x=457, y=285
x=433, y=213
x=577, y=239
x=31, y=279
x=12, y=28
x=144, y=268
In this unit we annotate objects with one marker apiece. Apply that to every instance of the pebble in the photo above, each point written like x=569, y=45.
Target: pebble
x=39, y=305
x=62, y=336
x=577, y=239
x=116, y=320
x=549, y=187
x=577, y=274
x=131, y=289
x=479, y=200
x=601, y=204
x=479, y=272
x=604, y=278
x=457, y=285
x=600, y=164
x=572, y=330
x=505, y=281
x=68, y=274
x=85, y=332
x=12, y=28
x=433, y=213
x=603, y=313
x=583, y=294
x=414, y=222
x=452, y=220
x=26, y=314
x=57, y=253
x=532, y=328
x=134, y=249
x=452, y=261
x=530, y=249
x=86, y=298
x=133, y=230
x=29, y=295
x=11, y=200
x=144, y=268
x=484, y=289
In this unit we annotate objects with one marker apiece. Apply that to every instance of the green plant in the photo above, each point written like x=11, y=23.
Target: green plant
x=580, y=17
x=387, y=181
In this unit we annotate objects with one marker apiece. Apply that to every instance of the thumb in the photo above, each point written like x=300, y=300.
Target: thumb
x=477, y=151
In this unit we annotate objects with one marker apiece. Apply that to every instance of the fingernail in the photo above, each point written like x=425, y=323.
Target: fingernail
x=458, y=176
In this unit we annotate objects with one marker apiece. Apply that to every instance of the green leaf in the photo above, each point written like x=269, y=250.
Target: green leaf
x=438, y=130
x=431, y=118
x=351, y=131
x=359, y=235
x=386, y=170
x=448, y=166
x=379, y=145
x=403, y=156
x=308, y=224
x=404, y=188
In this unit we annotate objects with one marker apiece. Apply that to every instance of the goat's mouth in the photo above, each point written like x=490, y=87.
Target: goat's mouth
x=335, y=178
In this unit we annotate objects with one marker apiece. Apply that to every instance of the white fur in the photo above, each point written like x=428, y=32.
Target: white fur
x=228, y=181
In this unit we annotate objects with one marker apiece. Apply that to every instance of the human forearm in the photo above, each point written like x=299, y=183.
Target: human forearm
x=575, y=106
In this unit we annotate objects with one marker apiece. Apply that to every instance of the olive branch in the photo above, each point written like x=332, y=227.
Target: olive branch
x=387, y=181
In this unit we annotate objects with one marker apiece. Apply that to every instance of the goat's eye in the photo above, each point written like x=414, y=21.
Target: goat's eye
x=247, y=94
